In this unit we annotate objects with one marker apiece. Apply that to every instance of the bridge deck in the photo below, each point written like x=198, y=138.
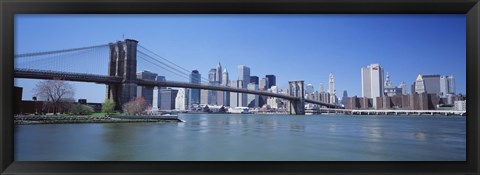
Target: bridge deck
x=104, y=79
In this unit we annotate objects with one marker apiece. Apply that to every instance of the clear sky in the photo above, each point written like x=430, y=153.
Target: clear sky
x=292, y=47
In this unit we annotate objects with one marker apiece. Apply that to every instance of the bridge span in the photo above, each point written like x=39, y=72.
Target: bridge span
x=122, y=80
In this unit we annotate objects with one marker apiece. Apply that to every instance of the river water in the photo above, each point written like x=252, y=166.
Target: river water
x=250, y=137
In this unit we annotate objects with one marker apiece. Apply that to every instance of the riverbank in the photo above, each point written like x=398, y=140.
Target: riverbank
x=52, y=119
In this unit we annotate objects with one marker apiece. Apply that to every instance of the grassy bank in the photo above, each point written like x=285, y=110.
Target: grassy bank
x=98, y=118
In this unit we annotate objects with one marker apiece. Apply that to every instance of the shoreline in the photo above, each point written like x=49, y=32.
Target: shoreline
x=46, y=119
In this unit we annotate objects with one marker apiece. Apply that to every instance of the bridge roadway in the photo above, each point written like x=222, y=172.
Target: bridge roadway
x=104, y=79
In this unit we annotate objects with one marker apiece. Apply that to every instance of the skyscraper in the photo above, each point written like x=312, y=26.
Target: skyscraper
x=372, y=82
x=218, y=74
x=181, y=100
x=194, y=94
x=252, y=100
x=419, y=85
x=447, y=85
x=451, y=84
x=320, y=88
x=212, y=75
x=236, y=99
x=244, y=75
x=432, y=84
x=254, y=79
x=226, y=82
x=168, y=99
x=263, y=84
x=143, y=91
x=331, y=89
x=271, y=80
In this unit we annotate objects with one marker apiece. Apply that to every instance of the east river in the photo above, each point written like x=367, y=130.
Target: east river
x=250, y=137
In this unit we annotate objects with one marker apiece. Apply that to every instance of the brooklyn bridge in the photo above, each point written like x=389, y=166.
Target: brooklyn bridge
x=123, y=60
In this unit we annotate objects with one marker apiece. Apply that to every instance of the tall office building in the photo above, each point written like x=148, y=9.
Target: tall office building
x=419, y=85
x=168, y=99
x=252, y=100
x=218, y=74
x=181, y=100
x=254, y=79
x=432, y=84
x=226, y=82
x=244, y=75
x=204, y=96
x=372, y=82
x=144, y=91
x=344, y=98
x=320, y=88
x=236, y=99
x=451, y=84
x=212, y=75
x=331, y=89
x=272, y=80
x=263, y=84
x=194, y=94
x=447, y=85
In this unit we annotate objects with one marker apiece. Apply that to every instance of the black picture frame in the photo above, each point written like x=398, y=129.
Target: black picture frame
x=8, y=8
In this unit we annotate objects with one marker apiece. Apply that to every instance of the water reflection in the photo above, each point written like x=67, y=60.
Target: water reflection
x=420, y=136
x=248, y=137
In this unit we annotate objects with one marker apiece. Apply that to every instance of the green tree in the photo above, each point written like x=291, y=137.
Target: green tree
x=108, y=106
x=80, y=109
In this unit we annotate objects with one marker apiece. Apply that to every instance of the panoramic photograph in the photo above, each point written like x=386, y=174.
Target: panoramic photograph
x=276, y=87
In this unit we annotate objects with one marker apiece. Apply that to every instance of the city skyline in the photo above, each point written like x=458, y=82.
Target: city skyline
x=344, y=78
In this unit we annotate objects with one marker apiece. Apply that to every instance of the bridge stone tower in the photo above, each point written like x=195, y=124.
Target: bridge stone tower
x=296, y=89
x=123, y=63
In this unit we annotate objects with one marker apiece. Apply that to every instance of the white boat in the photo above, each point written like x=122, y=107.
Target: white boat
x=239, y=110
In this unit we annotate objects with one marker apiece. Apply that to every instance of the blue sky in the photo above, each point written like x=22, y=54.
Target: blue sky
x=292, y=47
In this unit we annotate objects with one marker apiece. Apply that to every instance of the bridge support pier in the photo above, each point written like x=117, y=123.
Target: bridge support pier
x=296, y=107
x=123, y=63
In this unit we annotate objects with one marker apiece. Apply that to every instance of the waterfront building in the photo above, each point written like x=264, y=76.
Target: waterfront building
x=460, y=105
x=252, y=100
x=254, y=79
x=372, y=82
x=419, y=85
x=271, y=81
x=181, y=100
x=320, y=88
x=194, y=94
x=144, y=91
x=167, y=97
